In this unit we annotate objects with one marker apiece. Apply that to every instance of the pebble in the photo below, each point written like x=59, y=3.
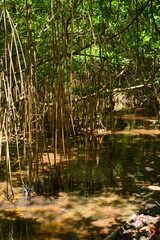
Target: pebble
x=64, y=210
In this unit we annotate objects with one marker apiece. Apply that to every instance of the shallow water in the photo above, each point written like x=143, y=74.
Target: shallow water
x=100, y=185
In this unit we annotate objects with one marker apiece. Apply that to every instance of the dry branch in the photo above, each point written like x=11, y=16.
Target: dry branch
x=104, y=89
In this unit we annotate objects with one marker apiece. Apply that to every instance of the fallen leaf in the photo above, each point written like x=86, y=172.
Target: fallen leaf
x=112, y=218
x=153, y=230
x=19, y=194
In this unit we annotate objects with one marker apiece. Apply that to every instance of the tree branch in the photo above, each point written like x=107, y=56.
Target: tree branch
x=156, y=27
x=120, y=32
x=129, y=24
x=104, y=89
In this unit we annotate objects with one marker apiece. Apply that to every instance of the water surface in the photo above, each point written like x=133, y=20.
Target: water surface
x=101, y=183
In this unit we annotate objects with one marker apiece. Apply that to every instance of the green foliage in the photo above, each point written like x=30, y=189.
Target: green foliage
x=95, y=25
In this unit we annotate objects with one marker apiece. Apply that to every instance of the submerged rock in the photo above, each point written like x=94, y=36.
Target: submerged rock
x=121, y=124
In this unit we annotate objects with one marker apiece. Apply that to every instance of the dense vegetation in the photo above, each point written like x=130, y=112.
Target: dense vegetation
x=61, y=60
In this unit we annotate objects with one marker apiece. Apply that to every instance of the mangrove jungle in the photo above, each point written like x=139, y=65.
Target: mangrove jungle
x=79, y=119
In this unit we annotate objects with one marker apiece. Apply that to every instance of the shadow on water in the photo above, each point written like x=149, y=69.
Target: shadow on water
x=15, y=227
x=92, y=190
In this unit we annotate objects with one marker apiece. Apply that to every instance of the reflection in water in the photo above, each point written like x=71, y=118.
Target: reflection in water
x=13, y=227
x=94, y=169
x=119, y=161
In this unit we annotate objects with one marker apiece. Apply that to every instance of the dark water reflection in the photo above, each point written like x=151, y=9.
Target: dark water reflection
x=121, y=161
x=13, y=227
x=114, y=163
